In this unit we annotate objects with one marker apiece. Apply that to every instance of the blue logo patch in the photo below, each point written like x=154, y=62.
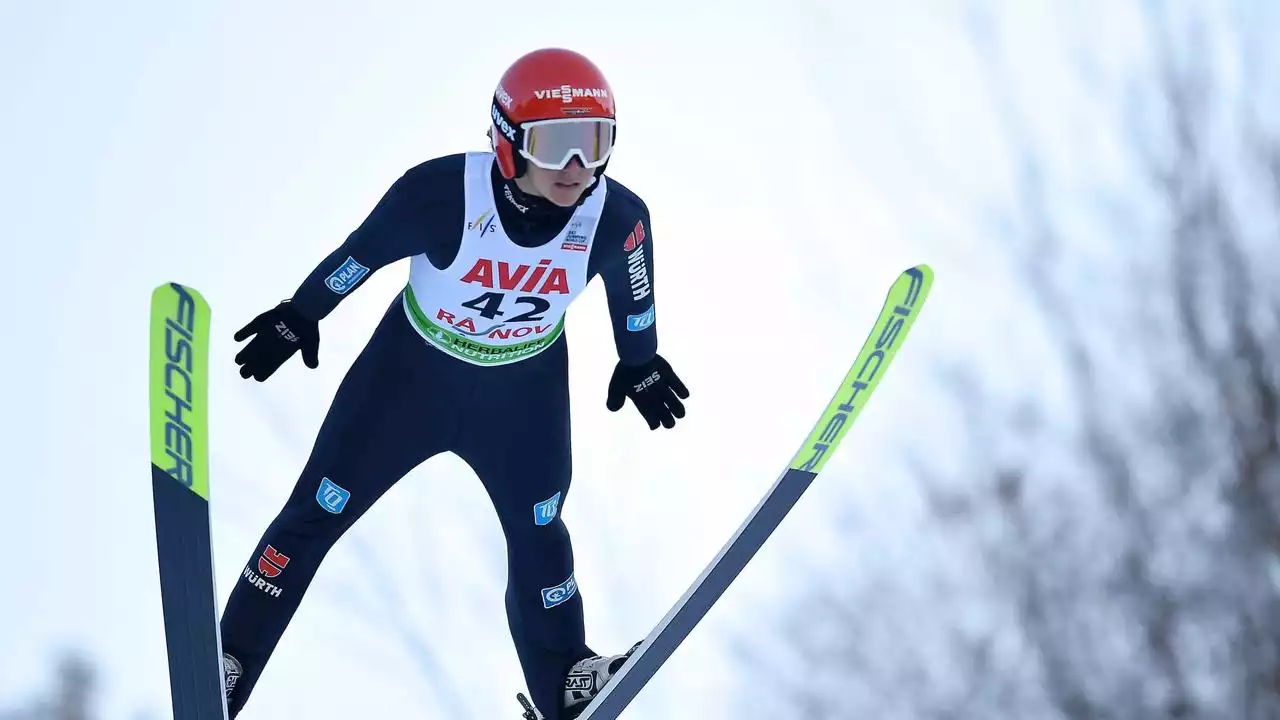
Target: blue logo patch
x=636, y=323
x=554, y=596
x=545, y=511
x=331, y=497
x=347, y=276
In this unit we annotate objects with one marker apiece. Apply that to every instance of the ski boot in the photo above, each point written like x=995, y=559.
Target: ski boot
x=231, y=672
x=585, y=680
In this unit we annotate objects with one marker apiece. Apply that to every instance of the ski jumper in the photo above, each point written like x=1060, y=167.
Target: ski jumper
x=469, y=358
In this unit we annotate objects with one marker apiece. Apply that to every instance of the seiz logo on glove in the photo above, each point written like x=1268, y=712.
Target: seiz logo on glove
x=277, y=334
x=654, y=389
x=649, y=381
x=285, y=332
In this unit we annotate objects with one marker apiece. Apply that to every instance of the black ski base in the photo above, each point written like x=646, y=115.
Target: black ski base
x=186, y=594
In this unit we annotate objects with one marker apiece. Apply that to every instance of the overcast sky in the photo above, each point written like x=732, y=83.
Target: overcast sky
x=793, y=157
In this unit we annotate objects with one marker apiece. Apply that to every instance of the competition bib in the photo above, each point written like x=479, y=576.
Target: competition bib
x=499, y=303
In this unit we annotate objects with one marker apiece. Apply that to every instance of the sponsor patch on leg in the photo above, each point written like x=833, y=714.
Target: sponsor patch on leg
x=545, y=511
x=554, y=596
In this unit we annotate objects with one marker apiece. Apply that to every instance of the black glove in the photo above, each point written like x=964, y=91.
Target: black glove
x=653, y=387
x=278, y=334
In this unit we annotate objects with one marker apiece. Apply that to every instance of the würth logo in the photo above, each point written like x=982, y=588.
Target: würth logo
x=272, y=562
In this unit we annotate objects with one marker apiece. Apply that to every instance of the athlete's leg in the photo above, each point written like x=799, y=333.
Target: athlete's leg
x=386, y=418
x=516, y=437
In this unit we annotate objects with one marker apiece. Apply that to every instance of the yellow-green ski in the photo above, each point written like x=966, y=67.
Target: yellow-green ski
x=179, y=361
x=903, y=304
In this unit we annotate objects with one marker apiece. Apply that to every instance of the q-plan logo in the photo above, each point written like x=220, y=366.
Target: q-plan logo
x=559, y=594
x=348, y=275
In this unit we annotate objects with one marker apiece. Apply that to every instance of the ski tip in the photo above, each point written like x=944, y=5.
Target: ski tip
x=923, y=271
x=168, y=288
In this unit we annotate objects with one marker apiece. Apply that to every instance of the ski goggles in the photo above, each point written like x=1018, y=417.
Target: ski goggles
x=550, y=144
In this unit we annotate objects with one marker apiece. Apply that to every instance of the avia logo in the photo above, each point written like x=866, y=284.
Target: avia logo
x=506, y=190
x=502, y=124
x=272, y=562
x=635, y=238
x=567, y=93
x=503, y=276
x=504, y=97
x=484, y=223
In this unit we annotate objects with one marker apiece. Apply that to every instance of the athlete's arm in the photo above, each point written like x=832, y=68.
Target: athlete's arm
x=622, y=254
x=403, y=223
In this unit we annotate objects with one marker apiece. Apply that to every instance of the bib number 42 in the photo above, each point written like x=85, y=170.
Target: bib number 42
x=489, y=306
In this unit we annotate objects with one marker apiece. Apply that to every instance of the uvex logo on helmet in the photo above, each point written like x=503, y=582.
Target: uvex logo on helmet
x=502, y=124
x=567, y=93
x=504, y=97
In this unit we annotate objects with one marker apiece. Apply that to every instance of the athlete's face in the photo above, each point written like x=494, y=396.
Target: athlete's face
x=562, y=187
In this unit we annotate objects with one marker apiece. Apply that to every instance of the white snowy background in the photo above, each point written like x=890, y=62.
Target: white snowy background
x=795, y=157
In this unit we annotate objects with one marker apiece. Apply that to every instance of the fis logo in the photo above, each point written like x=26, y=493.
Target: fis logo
x=272, y=562
x=347, y=276
x=636, y=323
x=545, y=511
x=332, y=497
x=484, y=223
x=557, y=595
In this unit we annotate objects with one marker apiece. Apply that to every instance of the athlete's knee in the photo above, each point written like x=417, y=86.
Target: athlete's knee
x=549, y=540
x=318, y=510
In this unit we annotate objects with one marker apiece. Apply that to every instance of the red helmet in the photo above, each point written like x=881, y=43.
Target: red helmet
x=551, y=105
